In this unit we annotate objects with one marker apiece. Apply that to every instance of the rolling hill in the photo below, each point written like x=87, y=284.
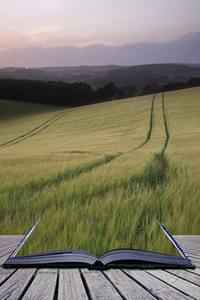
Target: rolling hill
x=182, y=50
x=99, y=175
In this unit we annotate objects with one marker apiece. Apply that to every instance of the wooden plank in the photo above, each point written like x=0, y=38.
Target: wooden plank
x=182, y=285
x=15, y=286
x=5, y=239
x=7, y=250
x=196, y=262
x=196, y=271
x=71, y=285
x=192, y=248
x=99, y=287
x=186, y=237
x=8, y=243
x=4, y=258
x=5, y=273
x=109, y=284
x=43, y=286
x=4, y=252
x=7, y=246
x=47, y=271
x=13, y=237
x=192, y=277
x=190, y=245
x=127, y=287
x=192, y=254
x=188, y=241
x=10, y=240
x=155, y=286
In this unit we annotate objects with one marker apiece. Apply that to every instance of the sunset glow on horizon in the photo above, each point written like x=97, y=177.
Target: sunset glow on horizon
x=55, y=23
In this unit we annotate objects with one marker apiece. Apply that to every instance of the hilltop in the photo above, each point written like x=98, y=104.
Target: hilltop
x=131, y=80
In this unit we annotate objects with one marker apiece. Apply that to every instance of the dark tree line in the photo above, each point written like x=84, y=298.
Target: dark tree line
x=57, y=93
x=77, y=93
x=171, y=86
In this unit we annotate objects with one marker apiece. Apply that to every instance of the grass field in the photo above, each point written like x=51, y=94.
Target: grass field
x=99, y=175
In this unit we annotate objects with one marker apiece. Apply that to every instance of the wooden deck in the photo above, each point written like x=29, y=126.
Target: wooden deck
x=110, y=284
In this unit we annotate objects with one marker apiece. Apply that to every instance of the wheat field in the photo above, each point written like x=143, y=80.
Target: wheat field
x=99, y=175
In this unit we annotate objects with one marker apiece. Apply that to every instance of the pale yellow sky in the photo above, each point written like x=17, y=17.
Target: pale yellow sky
x=52, y=23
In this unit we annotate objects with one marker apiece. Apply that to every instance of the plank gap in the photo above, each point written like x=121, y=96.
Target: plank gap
x=85, y=285
x=57, y=285
x=6, y=278
x=27, y=286
x=121, y=294
x=185, y=277
x=174, y=287
x=143, y=286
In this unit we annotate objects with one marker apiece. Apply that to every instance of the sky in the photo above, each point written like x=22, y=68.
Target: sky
x=55, y=23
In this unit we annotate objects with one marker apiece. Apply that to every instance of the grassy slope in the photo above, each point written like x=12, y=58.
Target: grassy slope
x=95, y=179
x=10, y=110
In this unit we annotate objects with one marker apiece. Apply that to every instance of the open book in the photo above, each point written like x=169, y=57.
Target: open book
x=127, y=258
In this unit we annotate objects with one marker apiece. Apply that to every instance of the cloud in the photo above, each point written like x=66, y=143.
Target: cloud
x=40, y=36
x=94, y=42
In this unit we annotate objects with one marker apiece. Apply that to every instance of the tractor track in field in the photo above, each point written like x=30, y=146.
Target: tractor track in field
x=155, y=171
x=86, y=167
x=34, y=131
x=150, y=127
x=33, y=185
x=166, y=126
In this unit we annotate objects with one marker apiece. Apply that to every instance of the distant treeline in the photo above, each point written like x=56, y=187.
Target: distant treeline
x=57, y=93
x=77, y=93
x=172, y=86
